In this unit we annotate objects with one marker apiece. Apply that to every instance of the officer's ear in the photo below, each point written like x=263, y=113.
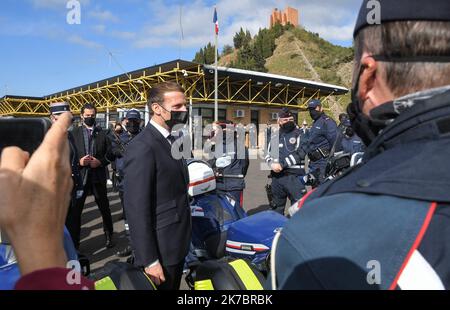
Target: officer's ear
x=373, y=89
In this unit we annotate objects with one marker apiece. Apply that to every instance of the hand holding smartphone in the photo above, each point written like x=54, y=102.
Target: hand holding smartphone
x=25, y=133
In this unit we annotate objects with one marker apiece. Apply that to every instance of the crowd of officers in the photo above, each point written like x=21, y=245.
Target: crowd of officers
x=92, y=150
x=317, y=143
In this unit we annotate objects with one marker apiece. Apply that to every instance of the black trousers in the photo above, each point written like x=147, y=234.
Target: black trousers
x=284, y=186
x=100, y=193
x=173, y=275
x=127, y=228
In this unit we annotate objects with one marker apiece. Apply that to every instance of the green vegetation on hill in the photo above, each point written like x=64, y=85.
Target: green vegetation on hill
x=288, y=51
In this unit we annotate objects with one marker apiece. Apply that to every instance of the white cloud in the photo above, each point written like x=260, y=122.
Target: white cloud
x=54, y=4
x=104, y=16
x=124, y=35
x=76, y=39
x=333, y=20
x=100, y=29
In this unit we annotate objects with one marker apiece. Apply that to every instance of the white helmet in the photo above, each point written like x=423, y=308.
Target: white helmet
x=201, y=178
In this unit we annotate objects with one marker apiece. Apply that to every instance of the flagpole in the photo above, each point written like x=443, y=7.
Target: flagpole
x=216, y=82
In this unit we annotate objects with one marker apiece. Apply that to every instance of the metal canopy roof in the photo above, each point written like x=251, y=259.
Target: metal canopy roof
x=239, y=74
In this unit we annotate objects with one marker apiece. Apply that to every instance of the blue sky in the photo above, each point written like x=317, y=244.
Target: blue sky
x=40, y=53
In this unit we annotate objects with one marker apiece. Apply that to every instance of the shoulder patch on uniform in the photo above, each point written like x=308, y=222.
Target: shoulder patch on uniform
x=292, y=140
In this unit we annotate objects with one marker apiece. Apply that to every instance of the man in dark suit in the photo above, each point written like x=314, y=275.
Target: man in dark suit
x=93, y=147
x=156, y=191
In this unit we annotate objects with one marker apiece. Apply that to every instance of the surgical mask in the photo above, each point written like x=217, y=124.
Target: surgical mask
x=89, y=121
x=315, y=115
x=288, y=127
x=176, y=117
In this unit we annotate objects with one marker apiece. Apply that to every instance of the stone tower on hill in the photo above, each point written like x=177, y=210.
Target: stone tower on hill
x=290, y=15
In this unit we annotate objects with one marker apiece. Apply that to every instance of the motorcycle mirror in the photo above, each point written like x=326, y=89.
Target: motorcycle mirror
x=223, y=162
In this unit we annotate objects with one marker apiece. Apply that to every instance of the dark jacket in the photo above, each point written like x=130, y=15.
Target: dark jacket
x=76, y=175
x=156, y=200
x=118, y=147
x=391, y=210
x=101, y=150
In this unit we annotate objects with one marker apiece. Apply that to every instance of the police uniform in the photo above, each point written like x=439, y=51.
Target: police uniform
x=287, y=183
x=239, y=166
x=385, y=223
x=321, y=139
x=347, y=141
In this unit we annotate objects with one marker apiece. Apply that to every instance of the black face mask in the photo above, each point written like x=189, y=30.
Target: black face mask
x=315, y=115
x=288, y=127
x=89, y=121
x=133, y=128
x=176, y=118
x=368, y=128
x=349, y=132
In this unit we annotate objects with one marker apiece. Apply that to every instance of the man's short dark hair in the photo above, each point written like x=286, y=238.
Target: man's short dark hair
x=406, y=39
x=88, y=106
x=157, y=92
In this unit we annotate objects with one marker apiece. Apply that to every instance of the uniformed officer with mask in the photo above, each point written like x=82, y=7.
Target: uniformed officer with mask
x=133, y=128
x=347, y=141
x=321, y=139
x=385, y=224
x=231, y=183
x=286, y=169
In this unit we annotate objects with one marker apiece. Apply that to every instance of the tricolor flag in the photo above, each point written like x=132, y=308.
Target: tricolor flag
x=216, y=21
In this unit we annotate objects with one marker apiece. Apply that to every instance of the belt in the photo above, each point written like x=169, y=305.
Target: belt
x=319, y=154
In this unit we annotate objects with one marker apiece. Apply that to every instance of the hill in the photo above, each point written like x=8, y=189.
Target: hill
x=294, y=52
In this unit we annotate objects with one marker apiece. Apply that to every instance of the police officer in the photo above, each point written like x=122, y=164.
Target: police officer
x=321, y=139
x=343, y=117
x=385, y=223
x=286, y=169
x=56, y=109
x=304, y=130
x=234, y=184
x=133, y=122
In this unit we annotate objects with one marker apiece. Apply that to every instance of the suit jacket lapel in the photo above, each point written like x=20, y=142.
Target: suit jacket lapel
x=181, y=163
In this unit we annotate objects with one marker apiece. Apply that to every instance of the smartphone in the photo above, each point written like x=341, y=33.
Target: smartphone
x=25, y=133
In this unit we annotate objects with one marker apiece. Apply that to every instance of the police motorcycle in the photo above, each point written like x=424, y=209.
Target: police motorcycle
x=228, y=246
x=9, y=268
x=229, y=249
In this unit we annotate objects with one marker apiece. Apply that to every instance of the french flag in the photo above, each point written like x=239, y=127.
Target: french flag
x=216, y=21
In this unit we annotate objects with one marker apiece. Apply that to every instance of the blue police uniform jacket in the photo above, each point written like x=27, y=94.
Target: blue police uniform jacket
x=288, y=152
x=352, y=145
x=238, y=166
x=322, y=134
x=385, y=223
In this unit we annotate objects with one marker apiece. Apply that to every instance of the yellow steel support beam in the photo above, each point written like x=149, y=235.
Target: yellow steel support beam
x=131, y=92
